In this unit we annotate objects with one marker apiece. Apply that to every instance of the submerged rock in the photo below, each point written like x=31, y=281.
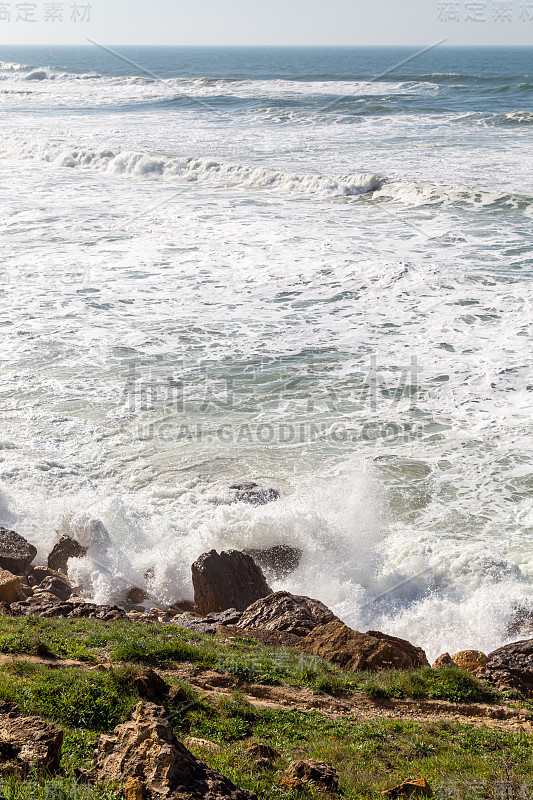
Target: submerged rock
x=227, y=580
x=28, y=744
x=64, y=550
x=254, y=494
x=352, y=650
x=16, y=554
x=146, y=749
x=279, y=561
x=282, y=611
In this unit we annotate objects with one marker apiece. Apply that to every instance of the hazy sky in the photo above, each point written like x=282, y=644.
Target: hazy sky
x=283, y=22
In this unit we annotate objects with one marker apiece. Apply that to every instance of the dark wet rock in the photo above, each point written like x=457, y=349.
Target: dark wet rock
x=64, y=550
x=282, y=611
x=16, y=554
x=27, y=744
x=511, y=667
x=227, y=580
x=71, y=609
x=277, y=562
x=254, y=494
x=135, y=597
x=146, y=750
x=59, y=587
x=352, y=650
x=209, y=623
x=312, y=771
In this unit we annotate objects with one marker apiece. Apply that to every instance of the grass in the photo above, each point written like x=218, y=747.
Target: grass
x=459, y=761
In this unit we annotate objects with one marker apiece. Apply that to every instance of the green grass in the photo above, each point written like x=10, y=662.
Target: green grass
x=444, y=684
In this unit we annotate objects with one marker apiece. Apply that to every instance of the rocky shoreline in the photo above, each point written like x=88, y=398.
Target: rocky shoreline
x=233, y=598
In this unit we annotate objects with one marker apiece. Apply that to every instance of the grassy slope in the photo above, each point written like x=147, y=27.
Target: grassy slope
x=458, y=760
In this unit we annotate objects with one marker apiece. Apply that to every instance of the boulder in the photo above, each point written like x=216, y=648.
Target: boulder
x=413, y=787
x=470, y=660
x=146, y=749
x=445, y=660
x=511, y=667
x=51, y=606
x=311, y=771
x=16, y=554
x=151, y=686
x=28, y=744
x=59, y=587
x=38, y=574
x=277, y=562
x=208, y=624
x=226, y=581
x=64, y=550
x=254, y=494
x=286, y=612
x=352, y=650
x=10, y=587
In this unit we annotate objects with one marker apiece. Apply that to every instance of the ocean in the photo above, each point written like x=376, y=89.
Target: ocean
x=306, y=267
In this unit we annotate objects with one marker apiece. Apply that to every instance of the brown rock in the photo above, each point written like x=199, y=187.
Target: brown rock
x=317, y=772
x=48, y=605
x=415, y=787
x=270, y=638
x=351, y=650
x=10, y=587
x=38, y=574
x=470, y=660
x=227, y=580
x=445, y=660
x=135, y=597
x=16, y=554
x=262, y=755
x=28, y=743
x=151, y=686
x=64, y=550
x=283, y=611
x=277, y=562
x=146, y=748
x=133, y=789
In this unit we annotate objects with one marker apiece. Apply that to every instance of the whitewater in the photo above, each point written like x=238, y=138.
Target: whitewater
x=269, y=266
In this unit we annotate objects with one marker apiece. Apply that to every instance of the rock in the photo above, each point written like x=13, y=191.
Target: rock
x=211, y=747
x=270, y=638
x=151, y=686
x=59, y=587
x=10, y=587
x=208, y=624
x=225, y=581
x=145, y=748
x=511, y=667
x=415, y=787
x=277, y=562
x=64, y=550
x=470, y=660
x=283, y=611
x=317, y=772
x=135, y=597
x=254, y=494
x=16, y=554
x=133, y=789
x=262, y=755
x=352, y=650
x=445, y=660
x=70, y=609
x=28, y=743
x=38, y=574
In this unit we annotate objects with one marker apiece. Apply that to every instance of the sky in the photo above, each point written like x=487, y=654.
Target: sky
x=267, y=22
